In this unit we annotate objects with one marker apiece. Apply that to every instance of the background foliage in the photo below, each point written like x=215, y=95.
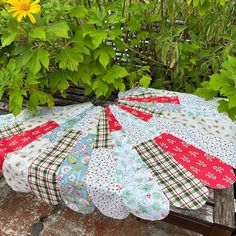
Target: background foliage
x=115, y=45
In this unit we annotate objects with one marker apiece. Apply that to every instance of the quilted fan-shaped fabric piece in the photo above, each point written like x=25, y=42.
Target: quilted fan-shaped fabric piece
x=151, y=150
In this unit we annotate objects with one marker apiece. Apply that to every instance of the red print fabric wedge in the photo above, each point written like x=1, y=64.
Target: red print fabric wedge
x=159, y=99
x=213, y=172
x=113, y=124
x=139, y=114
x=18, y=141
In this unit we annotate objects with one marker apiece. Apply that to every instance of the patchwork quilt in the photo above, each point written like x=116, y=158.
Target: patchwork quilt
x=152, y=149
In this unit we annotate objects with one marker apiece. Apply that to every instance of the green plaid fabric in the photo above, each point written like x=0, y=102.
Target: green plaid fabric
x=141, y=108
x=103, y=138
x=42, y=172
x=10, y=130
x=142, y=95
x=179, y=185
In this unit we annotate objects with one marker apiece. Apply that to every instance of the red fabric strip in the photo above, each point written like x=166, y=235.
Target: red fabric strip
x=162, y=99
x=213, y=172
x=113, y=123
x=18, y=141
x=139, y=114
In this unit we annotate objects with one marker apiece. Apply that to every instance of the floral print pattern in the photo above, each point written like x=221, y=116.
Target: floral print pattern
x=138, y=188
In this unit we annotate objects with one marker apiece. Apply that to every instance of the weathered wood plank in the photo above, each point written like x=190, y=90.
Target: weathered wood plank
x=188, y=222
x=205, y=213
x=216, y=231
x=224, y=207
x=3, y=106
x=211, y=199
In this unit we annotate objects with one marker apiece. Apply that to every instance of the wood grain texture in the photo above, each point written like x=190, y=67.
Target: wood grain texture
x=205, y=213
x=191, y=223
x=211, y=198
x=224, y=207
x=216, y=231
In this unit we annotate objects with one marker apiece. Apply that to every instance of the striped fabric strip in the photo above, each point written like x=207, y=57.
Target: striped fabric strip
x=152, y=111
x=103, y=139
x=152, y=97
x=180, y=187
x=141, y=95
x=113, y=123
x=42, y=172
x=139, y=114
x=7, y=131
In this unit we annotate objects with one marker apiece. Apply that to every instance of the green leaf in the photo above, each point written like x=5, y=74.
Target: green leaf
x=79, y=12
x=40, y=57
x=164, y=52
x=196, y=3
x=59, y=29
x=58, y=82
x=104, y=58
x=69, y=58
x=145, y=81
x=206, y=93
x=119, y=71
x=232, y=101
x=32, y=79
x=37, y=98
x=227, y=91
x=98, y=36
x=222, y=2
x=178, y=30
x=16, y=101
x=120, y=85
x=79, y=76
x=104, y=53
x=38, y=33
x=100, y=87
x=11, y=66
x=120, y=45
x=8, y=37
x=189, y=2
x=153, y=18
x=216, y=82
x=223, y=106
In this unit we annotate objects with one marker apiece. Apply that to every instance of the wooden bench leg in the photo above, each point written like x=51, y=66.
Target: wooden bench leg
x=217, y=231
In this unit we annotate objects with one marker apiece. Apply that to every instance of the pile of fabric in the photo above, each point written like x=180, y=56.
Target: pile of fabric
x=150, y=150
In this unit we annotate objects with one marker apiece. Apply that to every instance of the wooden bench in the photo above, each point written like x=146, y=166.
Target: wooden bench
x=216, y=218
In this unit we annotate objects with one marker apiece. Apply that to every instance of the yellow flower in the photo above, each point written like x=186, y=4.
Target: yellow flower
x=23, y=8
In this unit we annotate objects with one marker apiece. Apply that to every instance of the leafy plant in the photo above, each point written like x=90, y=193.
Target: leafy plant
x=224, y=84
x=106, y=46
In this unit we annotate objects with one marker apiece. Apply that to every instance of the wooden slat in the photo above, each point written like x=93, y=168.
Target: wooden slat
x=224, y=207
x=205, y=213
x=211, y=199
x=3, y=106
x=188, y=222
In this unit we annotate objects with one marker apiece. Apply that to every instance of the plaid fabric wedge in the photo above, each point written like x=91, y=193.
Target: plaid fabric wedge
x=180, y=187
x=10, y=130
x=152, y=97
x=141, y=95
x=103, y=139
x=42, y=172
x=151, y=111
